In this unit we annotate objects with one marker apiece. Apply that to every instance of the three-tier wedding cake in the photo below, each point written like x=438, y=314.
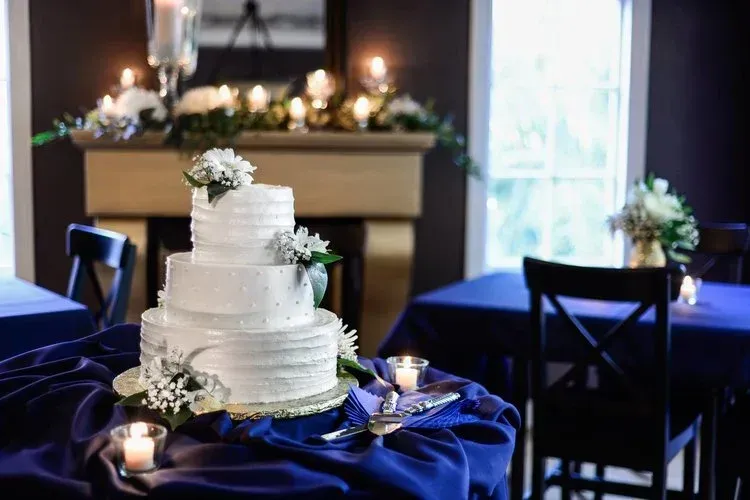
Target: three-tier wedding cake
x=241, y=306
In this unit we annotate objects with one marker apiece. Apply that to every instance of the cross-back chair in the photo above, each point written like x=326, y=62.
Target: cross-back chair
x=722, y=245
x=628, y=418
x=89, y=245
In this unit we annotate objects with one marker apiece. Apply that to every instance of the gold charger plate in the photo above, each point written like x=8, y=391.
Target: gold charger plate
x=126, y=384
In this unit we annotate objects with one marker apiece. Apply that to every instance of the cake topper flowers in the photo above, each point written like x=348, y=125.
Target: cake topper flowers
x=310, y=251
x=219, y=170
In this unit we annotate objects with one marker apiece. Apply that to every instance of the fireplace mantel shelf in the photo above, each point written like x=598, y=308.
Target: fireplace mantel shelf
x=375, y=177
x=339, y=141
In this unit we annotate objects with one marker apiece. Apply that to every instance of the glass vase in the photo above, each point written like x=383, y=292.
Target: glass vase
x=172, y=27
x=647, y=253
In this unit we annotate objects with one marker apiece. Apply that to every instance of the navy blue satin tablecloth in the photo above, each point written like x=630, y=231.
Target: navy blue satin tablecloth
x=57, y=407
x=32, y=317
x=468, y=327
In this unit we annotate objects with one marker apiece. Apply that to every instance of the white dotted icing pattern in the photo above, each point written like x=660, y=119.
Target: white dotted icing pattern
x=222, y=295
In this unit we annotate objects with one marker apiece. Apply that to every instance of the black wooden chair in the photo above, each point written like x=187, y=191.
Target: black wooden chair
x=632, y=418
x=722, y=246
x=89, y=245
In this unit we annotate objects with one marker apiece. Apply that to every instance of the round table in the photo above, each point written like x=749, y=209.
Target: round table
x=57, y=407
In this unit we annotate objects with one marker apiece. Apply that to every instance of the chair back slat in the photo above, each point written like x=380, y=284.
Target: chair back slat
x=90, y=245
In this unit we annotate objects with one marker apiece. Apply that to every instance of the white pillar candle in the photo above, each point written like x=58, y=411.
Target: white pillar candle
x=225, y=97
x=689, y=290
x=107, y=105
x=406, y=378
x=361, y=110
x=138, y=449
x=127, y=79
x=168, y=28
x=297, y=110
x=258, y=98
x=377, y=68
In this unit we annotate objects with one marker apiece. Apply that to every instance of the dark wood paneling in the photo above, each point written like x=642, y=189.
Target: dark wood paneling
x=77, y=52
x=698, y=102
x=426, y=49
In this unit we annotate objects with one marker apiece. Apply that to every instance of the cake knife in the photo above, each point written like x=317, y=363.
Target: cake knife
x=393, y=418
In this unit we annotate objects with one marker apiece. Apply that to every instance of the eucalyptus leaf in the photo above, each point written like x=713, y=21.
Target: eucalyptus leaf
x=318, y=280
x=133, y=400
x=216, y=191
x=324, y=258
x=192, y=180
x=177, y=419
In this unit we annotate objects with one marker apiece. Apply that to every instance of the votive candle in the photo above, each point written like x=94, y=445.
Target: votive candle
x=138, y=450
x=297, y=114
x=378, y=69
x=127, y=79
x=361, y=111
x=225, y=97
x=107, y=105
x=258, y=99
x=689, y=290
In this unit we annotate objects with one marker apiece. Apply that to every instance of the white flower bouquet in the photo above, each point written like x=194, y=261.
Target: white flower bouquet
x=654, y=214
x=219, y=170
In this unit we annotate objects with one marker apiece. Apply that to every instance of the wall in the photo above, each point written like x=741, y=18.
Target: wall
x=76, y=55
x=698, y=101
x=426, y=49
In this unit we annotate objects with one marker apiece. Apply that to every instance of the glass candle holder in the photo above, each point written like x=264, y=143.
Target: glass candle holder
x=689, y=290
x=407, y=371
x=139, y=447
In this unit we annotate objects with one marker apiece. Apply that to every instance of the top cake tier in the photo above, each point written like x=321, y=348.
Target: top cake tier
x=240, y=226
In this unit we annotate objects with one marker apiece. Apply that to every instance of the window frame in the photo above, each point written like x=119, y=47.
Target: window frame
x=636, y=41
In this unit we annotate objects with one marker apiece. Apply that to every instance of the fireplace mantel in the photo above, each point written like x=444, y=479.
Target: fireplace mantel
x=376, y=177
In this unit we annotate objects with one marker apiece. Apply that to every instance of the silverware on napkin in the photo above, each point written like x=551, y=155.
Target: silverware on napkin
x=389, y=421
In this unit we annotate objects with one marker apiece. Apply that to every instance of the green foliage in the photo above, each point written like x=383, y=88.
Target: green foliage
x=216, y=191
x=177, y=419
x=355, y=368
x=133, y=400
x=192, y=180
x=324, y=258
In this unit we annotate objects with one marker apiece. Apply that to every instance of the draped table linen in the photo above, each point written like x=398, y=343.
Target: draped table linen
x=32, y=317
x=57, y=407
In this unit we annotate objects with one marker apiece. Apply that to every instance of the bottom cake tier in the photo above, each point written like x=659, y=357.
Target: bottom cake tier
x=251, y=366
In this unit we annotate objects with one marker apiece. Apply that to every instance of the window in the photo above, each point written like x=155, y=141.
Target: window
x=558, y=143
x=6, y=184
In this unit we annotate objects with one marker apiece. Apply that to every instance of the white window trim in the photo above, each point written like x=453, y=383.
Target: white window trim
x=19, y=66
x=637, y=33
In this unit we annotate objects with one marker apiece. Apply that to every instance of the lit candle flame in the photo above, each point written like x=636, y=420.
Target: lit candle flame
x=361, y=110
x=225, y=95
x=127, y=79
x=377, y=68
x=107, y=104
x=297, y=109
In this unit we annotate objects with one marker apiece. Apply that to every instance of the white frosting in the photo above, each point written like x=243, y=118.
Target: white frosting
x=240, y=226
x=239, y=315
x=254, y=366
x=217, y=295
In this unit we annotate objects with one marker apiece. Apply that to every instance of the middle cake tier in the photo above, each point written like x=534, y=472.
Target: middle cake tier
x=236, y=296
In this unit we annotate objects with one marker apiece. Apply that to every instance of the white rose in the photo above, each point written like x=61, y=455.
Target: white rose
x=661, y=208
x=134, y=100
x=661, y=186
x=404, y=105
x=199, y=100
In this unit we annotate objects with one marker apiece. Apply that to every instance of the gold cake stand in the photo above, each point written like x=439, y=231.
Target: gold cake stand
x=126, y=384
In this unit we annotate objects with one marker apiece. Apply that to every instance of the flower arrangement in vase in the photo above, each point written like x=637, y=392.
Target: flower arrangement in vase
x=656, y=219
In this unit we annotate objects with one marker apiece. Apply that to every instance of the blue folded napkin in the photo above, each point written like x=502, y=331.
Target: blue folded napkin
x=361, y=404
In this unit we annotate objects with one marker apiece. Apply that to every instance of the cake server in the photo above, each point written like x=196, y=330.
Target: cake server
x=391, y=419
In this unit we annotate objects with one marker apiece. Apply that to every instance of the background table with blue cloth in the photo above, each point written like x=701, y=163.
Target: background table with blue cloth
x=57, y=407
x=468, y=328
x=32, y=317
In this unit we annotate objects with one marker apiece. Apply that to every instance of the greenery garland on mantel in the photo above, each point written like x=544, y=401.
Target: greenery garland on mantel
x=137, y=111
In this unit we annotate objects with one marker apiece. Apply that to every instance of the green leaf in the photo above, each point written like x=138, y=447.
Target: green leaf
x=133, y=400
x=318, y=280
x=192, y=180
x=354, y=367
x=177, y=419
x=324, y=258
x=678, y=257
x=216, y=191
